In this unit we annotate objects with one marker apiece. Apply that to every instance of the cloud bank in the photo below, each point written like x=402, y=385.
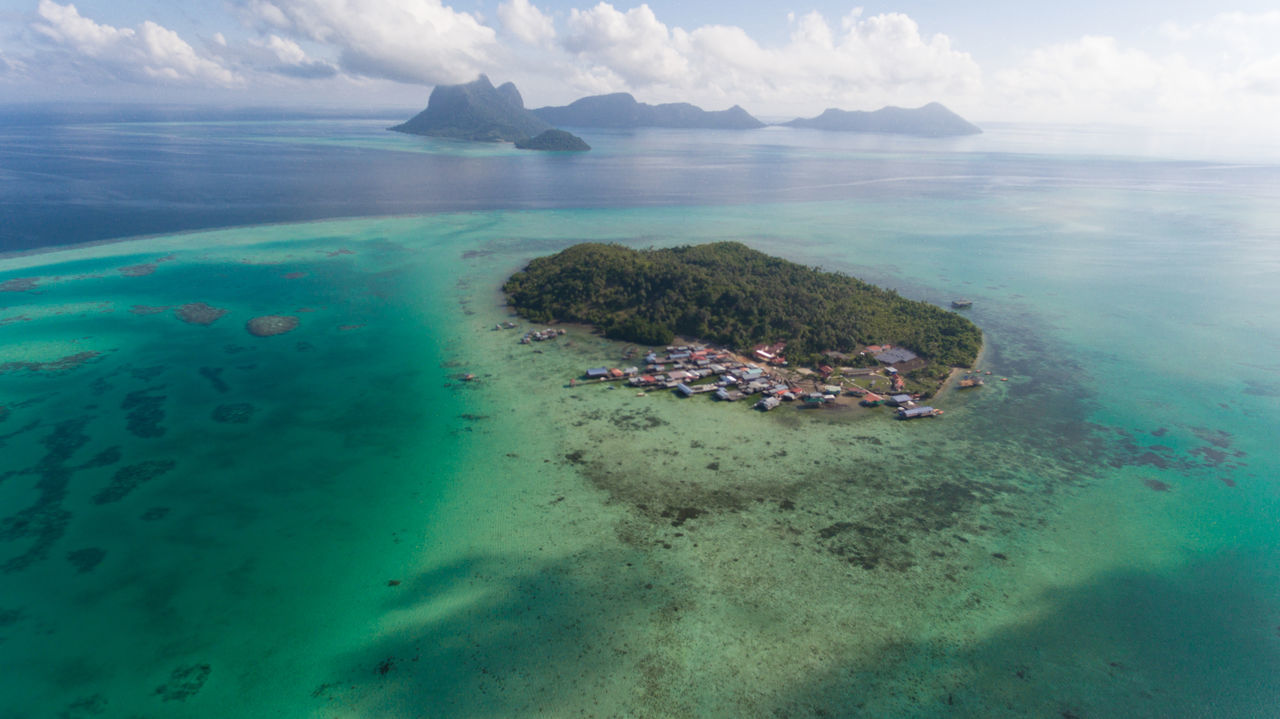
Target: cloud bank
x=1219, y=69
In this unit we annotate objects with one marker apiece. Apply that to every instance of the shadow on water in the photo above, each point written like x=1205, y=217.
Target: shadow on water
x=1203, y=641
x=497, y=636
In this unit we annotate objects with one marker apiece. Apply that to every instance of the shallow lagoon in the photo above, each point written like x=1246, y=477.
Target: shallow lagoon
x=330, y=522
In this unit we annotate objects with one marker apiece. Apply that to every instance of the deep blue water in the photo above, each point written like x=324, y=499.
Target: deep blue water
x=71, y=182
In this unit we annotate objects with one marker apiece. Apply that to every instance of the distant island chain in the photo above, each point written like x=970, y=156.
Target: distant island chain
x=478, y=111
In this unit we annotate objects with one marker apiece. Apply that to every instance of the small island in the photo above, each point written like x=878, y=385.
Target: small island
x=554, y=141
x=932, y=120
x=732, y=295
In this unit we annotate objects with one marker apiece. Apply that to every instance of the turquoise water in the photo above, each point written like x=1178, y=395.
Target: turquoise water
x=332, y=522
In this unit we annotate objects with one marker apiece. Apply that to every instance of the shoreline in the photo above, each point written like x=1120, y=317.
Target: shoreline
x=797, y=377
x=949, y=384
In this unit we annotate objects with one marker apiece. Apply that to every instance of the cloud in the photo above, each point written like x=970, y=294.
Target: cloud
x=277, y=55
x=410, y=41
x=149, y=52
x=865, y=62
x=633, y=45
x=11, y=68
x=1224, y=71
x=525, y=21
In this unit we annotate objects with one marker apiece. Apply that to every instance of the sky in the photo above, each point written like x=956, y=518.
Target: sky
x=1170, y=64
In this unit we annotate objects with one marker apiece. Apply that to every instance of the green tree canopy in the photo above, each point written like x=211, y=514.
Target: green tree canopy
x=728, y=293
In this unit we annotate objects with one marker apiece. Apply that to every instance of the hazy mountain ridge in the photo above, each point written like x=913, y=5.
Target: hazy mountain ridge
x=621, y=110
x=932, y=120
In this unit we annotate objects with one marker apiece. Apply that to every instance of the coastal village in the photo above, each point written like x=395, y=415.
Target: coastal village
x=766, y=378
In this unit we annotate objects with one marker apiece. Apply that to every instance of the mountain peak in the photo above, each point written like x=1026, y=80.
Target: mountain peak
x=478, y=111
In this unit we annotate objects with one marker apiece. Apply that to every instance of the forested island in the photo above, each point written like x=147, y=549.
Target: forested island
x=932, y=120
x=728, y=293
x=555, y=141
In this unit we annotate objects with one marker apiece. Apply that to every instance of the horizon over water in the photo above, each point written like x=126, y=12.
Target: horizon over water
x=196, y=521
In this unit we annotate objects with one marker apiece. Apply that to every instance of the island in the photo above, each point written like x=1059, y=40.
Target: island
x=932, y=120
x=621, y=110
x=480, y=112
x=555, y=141
x=737, y=297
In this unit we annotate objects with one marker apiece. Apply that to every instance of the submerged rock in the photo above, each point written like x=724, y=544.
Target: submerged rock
x=269, y=325
x=199, y=313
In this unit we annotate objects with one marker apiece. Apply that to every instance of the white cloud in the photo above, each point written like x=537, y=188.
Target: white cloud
x=1224, y=71
x=868, y=62
x=11, y=68
x=149, y=52
x=525, y=21
x=412, y=41
x=633, y=45
x=278, y=55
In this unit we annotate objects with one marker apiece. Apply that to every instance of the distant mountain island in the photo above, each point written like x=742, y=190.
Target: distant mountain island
x=932, y=120
x=621, y=110
x=479, y=111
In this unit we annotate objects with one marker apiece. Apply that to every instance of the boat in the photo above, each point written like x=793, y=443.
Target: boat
x=961, y=304
x=915, y=412
x=970, y=381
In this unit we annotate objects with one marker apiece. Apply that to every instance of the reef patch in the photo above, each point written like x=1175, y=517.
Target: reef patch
x=214, y=375
x=61, y=364
x=199, y=313
x=145, y=412
x=85, y=560
x=184, y=682
x=235, y=413
x=19, y=284
x=271, y=325
x=126, y=479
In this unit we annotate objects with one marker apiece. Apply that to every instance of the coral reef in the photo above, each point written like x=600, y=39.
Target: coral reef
x=184, y=682
x=237, y=413
x=128, y=478
x=269, y=325
x=199, y=313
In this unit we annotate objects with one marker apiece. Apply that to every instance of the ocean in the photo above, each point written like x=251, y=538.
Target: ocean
x=196, y=521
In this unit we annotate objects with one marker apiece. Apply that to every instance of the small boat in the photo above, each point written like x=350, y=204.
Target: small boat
x=961, y=304
x=916, y=412
x=970, y=381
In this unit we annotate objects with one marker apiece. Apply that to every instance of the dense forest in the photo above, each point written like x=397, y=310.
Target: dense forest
x=730, y=294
